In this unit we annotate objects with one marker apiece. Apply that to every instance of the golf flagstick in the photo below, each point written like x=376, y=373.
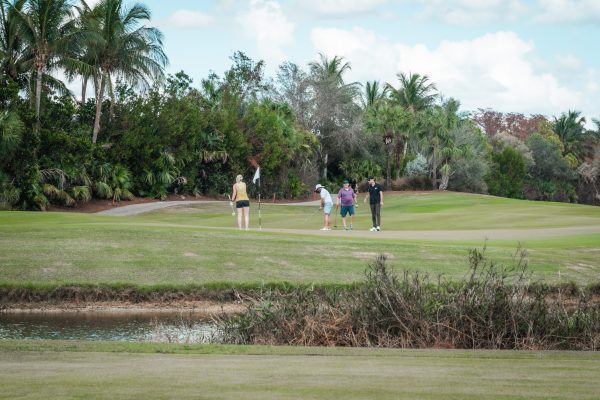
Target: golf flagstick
x=257, y=177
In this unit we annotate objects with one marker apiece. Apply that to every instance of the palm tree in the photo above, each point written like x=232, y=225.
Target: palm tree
x=387, y=120
x=13, y=57
x=438, y=138
x=87, y=22
x=49, y=32
x=373, y=94
x=415, y=92
x=127, y=51
x=329, y=69
x=570, y=128
x=333, y=111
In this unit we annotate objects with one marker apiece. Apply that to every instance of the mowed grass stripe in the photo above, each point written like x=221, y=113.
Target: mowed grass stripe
x=254, y=372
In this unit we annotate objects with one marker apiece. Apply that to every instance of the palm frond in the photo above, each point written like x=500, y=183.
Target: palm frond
x=81, y=193
x=103, y=190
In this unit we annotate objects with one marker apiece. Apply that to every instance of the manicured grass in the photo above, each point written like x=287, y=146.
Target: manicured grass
x=191, y=245
x=409, y=211
x=129, y=371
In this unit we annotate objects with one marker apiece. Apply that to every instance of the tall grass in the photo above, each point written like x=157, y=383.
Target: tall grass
x=493, y=307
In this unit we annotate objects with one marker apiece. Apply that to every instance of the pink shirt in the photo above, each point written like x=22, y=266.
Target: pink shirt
x=347, y=196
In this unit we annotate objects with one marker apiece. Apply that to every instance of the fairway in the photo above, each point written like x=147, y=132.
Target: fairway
x=198, y=244
x=138, y=371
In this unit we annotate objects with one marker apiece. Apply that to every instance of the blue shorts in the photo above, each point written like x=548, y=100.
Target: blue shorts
x=327, y=208
x=347, y=210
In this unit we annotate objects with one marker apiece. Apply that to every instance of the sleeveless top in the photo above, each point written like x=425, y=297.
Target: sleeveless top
x=241, y=192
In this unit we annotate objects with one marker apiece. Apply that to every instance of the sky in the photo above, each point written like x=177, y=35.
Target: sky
x=526, y=56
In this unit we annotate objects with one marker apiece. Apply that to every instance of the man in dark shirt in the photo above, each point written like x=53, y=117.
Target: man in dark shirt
x=375, y=196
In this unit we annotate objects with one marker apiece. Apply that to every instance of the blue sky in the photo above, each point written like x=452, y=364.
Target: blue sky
x=529, y=56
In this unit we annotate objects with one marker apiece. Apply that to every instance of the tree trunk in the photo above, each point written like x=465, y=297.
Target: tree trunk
x=434, y=170
x=388, y=178
x=99, y=96
x=111, y=115
x=399, y=147
x=38, y=97
x=84, y=84
x=325, y=161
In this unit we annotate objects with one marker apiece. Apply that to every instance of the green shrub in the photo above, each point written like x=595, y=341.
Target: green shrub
x=507, y=174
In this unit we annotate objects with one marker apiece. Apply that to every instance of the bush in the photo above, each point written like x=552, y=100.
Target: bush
x=493, y=307
x=507, y=174
x=419, y=182
x=417, y=167
x=552, y=176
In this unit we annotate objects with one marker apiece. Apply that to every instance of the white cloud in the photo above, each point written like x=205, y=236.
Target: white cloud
x=340, y=7
x=92, y=3
x=472, y=11
x=554, y=11
x=267, y=24
x=495, y=70
x=569, y=63
x=190, y=19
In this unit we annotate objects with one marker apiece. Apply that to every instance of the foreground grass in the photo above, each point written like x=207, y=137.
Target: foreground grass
x=48, y=369
x=190, y=245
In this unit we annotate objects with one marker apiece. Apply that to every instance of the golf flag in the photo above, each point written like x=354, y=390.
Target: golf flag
x=256, y=175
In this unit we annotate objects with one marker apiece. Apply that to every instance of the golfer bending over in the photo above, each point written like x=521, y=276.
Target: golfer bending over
x=375, y=196
x=347, y=197
x=242, y=202
x=326, y=206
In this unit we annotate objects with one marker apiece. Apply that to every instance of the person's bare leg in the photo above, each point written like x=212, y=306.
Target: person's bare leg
x=247, y=215
x=239, y=217
x=344, y=222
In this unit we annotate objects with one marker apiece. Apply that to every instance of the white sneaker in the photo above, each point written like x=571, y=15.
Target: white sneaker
x=378, y=229
x=324, y=229
x=373, y=229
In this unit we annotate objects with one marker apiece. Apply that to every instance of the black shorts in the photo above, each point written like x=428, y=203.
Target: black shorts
x=242, y=203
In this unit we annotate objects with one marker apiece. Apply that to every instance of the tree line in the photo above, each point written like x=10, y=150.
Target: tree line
x=144, y=133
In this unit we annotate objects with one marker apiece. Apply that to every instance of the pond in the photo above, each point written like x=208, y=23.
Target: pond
x=111, y=326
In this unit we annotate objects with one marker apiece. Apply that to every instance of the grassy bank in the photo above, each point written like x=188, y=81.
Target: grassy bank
x=187, y=246
x=119, y=371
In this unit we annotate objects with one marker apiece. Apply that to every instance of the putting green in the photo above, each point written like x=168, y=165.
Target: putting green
x=197, y=245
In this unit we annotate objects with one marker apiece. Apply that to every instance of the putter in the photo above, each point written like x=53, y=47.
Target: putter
x=335, y=219
x=231, y=205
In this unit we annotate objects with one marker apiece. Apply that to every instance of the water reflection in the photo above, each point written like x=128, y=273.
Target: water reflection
x=135, y=327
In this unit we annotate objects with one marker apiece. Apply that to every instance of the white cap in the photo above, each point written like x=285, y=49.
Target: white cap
x=319, y=186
